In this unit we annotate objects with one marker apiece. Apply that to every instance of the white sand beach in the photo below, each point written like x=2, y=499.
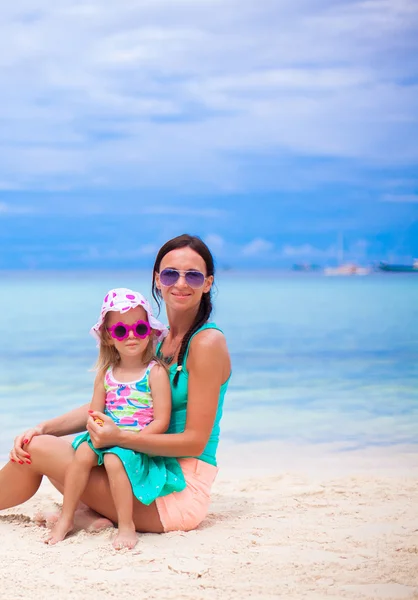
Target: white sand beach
x=285, y=522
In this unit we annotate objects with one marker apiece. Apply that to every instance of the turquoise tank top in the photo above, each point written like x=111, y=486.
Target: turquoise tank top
x=179, y=403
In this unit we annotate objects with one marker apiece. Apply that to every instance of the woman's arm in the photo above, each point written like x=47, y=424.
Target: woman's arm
x=208, y=366
x=73, y=421
x=161, y=399
x=70, y=422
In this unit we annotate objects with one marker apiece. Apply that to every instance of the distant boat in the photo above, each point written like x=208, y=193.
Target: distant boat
x=346, y=269
x=305, y=267
x=400, y=268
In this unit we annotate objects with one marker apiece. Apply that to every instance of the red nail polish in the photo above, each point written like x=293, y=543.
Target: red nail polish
x=25, y=441
x=28, y=462
x=12, y=459
x=91, y=411
x=20, y=462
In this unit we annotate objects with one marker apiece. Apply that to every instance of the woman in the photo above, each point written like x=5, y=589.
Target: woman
x=199, y=369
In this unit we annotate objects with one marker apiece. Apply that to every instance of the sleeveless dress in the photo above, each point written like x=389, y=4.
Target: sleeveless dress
x=179, y=398
x=131, y=408
x=185, y=510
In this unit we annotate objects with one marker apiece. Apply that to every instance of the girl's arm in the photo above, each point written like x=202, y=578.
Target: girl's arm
x=161, y=398
x=99, y=394
x=208, y=366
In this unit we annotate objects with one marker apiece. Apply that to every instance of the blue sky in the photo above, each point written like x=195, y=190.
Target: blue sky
x=271, y=128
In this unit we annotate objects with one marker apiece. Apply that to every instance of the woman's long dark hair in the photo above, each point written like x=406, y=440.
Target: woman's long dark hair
x=205, y=307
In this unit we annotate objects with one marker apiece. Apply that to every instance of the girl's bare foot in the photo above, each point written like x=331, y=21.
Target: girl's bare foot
x=61, y=528
x=125, y=538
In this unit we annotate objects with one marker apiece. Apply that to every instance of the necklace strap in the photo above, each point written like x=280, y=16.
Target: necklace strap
x=167, y=359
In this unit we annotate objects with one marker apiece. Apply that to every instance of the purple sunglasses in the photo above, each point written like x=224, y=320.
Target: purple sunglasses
x=195, y=279
x=120, y=331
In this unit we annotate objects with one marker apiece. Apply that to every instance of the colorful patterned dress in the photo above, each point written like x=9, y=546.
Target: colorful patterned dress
x=131, y=408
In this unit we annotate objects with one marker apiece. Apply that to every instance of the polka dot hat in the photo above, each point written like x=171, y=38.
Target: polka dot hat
x=121, y=300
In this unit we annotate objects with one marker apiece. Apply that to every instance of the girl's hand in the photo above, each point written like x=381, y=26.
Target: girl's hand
x=102, y=435
x=18, y=454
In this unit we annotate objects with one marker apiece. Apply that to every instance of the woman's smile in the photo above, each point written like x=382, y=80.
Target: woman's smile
x=180, y=295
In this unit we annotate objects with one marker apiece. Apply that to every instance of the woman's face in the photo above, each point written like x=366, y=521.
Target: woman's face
x=181, y=296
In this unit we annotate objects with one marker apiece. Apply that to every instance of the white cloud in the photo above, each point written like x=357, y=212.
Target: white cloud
x=186, y=211
x=408, y=198
x=171, y=93
x=356, y=251
x=50, y=206
x=307, y=251
x=148, y=250
x=101, y=254
x=9, y=209
x=257, y=247
x=215, y=242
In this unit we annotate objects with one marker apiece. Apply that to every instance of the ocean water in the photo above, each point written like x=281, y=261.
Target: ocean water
x=315, y=359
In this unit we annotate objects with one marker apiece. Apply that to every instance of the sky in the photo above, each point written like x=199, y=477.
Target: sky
x=280, y=131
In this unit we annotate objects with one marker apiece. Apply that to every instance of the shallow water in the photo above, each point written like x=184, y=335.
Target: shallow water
x=315, y=359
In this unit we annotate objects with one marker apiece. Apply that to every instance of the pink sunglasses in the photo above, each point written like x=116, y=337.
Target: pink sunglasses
x=120, y=331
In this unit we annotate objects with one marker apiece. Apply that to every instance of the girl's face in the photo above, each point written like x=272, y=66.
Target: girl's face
x=131, y=346
x=181, y=296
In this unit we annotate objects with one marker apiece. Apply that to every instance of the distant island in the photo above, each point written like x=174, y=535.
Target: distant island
x=347, y=269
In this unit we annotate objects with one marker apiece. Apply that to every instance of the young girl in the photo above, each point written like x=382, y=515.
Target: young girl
x=134, y=390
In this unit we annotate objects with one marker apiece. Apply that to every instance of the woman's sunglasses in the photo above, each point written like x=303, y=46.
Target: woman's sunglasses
x=120, y=331
x=195, y=279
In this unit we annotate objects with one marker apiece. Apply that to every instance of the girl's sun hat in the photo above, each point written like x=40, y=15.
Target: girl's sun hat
x=121, y=300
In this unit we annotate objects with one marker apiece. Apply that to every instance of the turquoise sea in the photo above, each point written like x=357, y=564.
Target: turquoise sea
x=315, y=359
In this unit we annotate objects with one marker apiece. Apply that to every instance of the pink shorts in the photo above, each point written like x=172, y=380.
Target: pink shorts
x=183, y=511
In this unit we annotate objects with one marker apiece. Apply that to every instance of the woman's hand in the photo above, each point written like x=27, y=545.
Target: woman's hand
x=18, y=454
x=102, y=435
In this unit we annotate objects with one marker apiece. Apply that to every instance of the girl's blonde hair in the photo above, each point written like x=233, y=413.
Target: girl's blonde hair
x=109, y=356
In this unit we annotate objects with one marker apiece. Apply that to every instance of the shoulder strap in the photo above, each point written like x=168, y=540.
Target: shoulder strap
x=158, y=346
x=151, y=364
x=108, y=379
x=205, y=326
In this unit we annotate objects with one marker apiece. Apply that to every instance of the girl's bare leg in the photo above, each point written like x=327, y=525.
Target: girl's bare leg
x=76, y=478
x=51, y=456
x=121, y=490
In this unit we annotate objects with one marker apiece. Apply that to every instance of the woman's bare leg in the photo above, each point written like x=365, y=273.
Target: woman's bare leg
x=84, y=517
x=76, y=478
x=51, y=456
x=18, y=483
x=122, y=495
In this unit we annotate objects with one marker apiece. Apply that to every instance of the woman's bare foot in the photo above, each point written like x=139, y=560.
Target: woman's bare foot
x=40, y=518
x=84, y=518
x=98, y=524
x=61, y=528
x=125, y=538
x=46, y=519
